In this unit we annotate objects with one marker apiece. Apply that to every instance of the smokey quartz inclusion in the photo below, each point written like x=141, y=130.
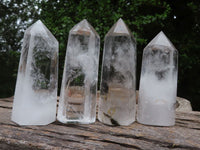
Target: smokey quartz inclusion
x=79, y=85
x=158, y=83
x=117, y=92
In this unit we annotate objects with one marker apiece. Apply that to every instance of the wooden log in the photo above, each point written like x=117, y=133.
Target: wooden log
x=184, y=135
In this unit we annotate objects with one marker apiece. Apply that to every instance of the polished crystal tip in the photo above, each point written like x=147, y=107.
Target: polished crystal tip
x=39, y=29
x=161, y=39
x=83, y=27
x=119, y=28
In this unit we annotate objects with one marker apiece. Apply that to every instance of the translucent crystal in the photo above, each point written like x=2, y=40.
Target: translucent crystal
x=79, y=86
x=36, y=88
x=158, y=83
x=117, y=91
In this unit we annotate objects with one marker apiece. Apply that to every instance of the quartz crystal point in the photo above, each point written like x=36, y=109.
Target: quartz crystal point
x=79, y=85
x=158, y=83
x=117, y=103
x=36, y=88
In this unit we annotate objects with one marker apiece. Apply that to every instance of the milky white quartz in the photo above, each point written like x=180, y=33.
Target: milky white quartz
x=158, y=83
x=36, y=88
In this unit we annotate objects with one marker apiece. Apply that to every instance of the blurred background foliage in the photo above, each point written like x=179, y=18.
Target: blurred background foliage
x=178, y=19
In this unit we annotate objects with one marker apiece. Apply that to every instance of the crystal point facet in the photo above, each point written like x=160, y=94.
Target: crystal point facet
x=84, y=27
x=158, y=83
x=117, y=103
x=161, y=39
x=119, y=28
x=36, y=88
x=79, y=86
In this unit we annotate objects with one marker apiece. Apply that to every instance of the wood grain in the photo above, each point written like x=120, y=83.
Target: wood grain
x=184, y=135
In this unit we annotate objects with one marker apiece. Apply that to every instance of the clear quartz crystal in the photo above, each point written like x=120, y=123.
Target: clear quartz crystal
x=158, y=83
x=36, y=88
x=79, y=86
x=117, y=103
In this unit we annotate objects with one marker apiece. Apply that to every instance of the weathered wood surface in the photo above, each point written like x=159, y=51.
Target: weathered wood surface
x=184, y=135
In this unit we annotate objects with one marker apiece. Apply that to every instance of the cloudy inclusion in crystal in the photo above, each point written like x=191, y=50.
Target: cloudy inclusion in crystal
x=158, y=83
x=79, y=86
x=36, y=88
x=117, y=93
